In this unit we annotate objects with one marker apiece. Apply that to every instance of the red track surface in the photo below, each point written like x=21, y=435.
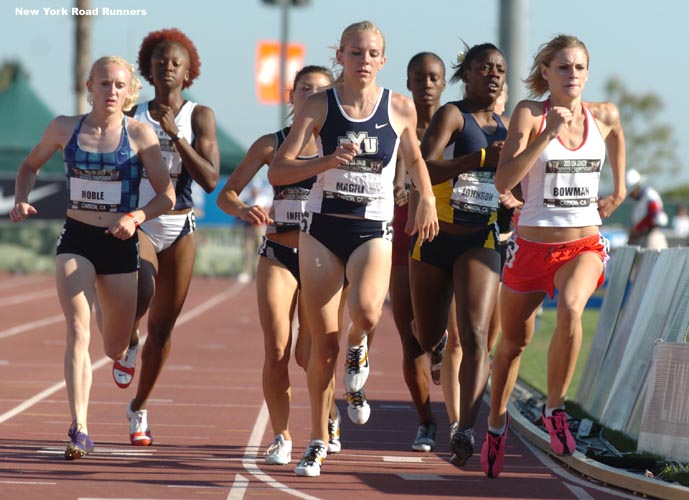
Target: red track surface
x=209, y=422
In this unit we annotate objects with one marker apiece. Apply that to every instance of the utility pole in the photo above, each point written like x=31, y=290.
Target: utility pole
x=284, y=40
x=82, y=52
x=513, y=30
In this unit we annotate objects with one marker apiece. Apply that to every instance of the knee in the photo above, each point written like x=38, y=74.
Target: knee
x=159, y=335
x=474, y=340
x=427, y=344
x=511, y=347
x=78, y=335
x=116, y=350
x=277, y=359
x=366, y=317
x=569, y=316
x=323, y=356
x=410, y=346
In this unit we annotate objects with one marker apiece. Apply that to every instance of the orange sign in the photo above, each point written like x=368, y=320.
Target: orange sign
x=268, y=70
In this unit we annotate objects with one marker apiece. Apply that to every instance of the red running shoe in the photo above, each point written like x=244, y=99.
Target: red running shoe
x=493, y=451
x=561, y=440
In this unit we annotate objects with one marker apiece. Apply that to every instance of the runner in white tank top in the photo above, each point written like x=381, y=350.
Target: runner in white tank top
x=555, y=150
x=169, y=61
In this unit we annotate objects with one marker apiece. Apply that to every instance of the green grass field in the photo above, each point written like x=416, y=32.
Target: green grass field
x=534, y=360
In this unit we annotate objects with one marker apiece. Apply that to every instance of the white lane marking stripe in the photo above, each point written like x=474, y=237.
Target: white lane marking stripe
x=251, y=454
x=31, y=325
x=556, y=469
x=200, y=309
x=409, y=460
x=14, y=282
x=18, y=299
x=239, y=487
x=28, y=482
x=580, y=493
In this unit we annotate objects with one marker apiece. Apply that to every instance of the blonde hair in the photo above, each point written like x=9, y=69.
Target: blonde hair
x=535, y=83
x=348, y=33
x=134, y=82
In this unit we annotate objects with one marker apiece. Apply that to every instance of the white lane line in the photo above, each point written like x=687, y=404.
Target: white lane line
x=557, y=469
x=579, y=493
x=13, y=283
x=401, y=460
x=239, y=487
x=250, y=457
x=100, y=452
x=18, y=299
x=28, y=482
x=31, y=325
x=188, y=316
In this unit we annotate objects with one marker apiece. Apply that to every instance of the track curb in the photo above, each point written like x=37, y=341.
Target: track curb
x=579, y=462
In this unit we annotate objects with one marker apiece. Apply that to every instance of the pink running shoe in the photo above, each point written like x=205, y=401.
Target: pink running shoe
x=493, y=451
x=561, y=440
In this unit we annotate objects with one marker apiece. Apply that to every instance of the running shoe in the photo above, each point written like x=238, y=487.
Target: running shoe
x=561, y=440
x=493, y=451
x=139, y=432
x=437, y=356
x=279, y=452
x=425, y=438
x=454, y=427
x=462, y=445
x=356, y=367
x=311, y=462
x=358, y=408
x=79, y=443
x=334, y=444
x=123, y=369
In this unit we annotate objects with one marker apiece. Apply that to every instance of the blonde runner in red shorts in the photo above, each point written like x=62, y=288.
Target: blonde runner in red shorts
x=530, y=266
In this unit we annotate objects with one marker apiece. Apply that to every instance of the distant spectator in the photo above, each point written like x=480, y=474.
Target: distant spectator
x=648, y=215
x=680, y=222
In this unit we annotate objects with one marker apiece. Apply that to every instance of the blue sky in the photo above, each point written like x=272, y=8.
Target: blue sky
x=642, y=42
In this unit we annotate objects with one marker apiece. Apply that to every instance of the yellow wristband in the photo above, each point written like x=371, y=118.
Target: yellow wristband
x=136, y=222
x=482, y=163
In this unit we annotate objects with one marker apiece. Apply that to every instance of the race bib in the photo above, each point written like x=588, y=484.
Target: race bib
x=571, y=183
x=95, y=190
x=475, y=192
x=288, y=212
x=357, y=181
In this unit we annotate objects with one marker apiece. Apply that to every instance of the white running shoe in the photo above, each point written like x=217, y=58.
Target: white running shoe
x=279, y=452
x=123, y=369
x=311, y=462
x=139, y=432
x=356, y=367
x=334, y=444
x=358, y=408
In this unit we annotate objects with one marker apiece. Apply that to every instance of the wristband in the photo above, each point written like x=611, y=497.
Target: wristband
x=131, y=216
x=482, y=163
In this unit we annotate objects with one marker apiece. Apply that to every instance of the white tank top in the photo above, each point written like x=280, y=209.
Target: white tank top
x=561, y=189
x=171, y=157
